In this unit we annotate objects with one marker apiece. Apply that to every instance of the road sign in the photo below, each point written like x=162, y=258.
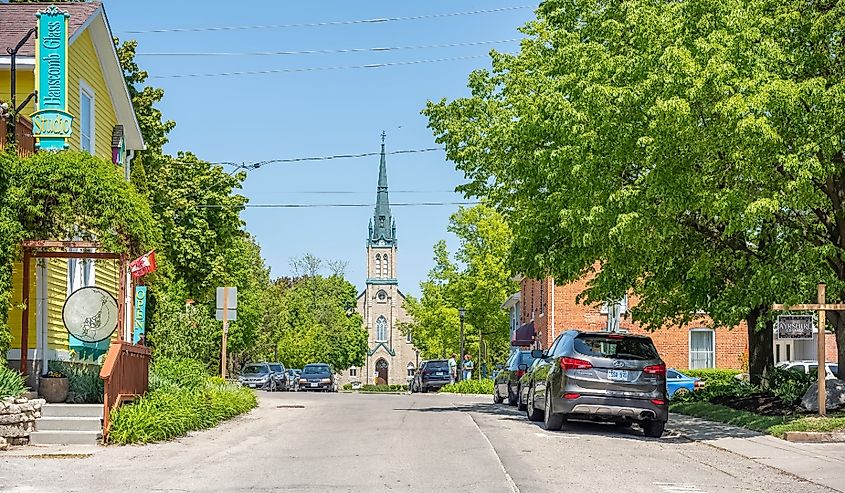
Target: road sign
x=231, y=298
x=795, y=327
x=230, y=314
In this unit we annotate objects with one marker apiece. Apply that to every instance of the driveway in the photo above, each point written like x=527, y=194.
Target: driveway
x=423, y=442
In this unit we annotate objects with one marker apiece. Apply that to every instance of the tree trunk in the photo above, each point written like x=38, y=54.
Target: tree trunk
x=760, y=343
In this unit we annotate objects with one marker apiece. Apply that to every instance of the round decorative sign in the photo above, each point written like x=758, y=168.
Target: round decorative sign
x=90, y=314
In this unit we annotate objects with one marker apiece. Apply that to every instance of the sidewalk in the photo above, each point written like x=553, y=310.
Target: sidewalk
x=819, y=463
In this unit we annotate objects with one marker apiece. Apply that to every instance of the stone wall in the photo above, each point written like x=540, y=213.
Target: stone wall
x=17, y=419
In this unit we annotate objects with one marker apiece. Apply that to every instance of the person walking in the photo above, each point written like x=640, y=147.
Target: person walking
x=453, y=368
x=468, y=367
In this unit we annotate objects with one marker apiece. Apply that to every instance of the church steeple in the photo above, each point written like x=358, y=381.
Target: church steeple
x=383, y=227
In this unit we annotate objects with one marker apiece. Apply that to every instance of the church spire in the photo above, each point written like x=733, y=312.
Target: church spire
x=384, y=228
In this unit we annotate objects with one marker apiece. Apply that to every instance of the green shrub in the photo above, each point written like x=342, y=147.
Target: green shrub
x=347, y=386
x=171, y=411
x=83, y=380
x=11, y=382
x=713, y=375
x=382, y=388
x=181, y=373
x=789, y=385
x=470, y=387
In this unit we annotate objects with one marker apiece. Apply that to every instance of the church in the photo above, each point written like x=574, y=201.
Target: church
x=391, y=356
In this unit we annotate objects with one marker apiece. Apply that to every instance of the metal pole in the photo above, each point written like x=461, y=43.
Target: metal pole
x=225, y=331
x=822, y=360
x=13, y=53
x=25, y=314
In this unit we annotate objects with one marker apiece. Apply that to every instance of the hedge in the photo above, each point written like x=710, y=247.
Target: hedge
x=469, y=387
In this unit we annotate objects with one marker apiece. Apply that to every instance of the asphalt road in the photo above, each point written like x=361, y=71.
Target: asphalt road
x=430, y=442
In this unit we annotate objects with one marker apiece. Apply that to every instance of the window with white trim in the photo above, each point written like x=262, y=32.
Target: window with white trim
x=381, y=329
x=702, y=349
x=386, y=264
x=353, y=372
x=378, y=265
x=86, y=118
x=411, y=370
x=409, y=338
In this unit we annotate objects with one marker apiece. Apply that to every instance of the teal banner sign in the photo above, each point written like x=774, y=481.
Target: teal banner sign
x=51, y=124
x=140, y=313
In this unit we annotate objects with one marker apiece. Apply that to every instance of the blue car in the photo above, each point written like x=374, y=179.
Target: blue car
x=680, y=383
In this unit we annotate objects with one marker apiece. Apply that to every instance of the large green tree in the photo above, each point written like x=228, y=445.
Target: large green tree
x=690, y=149
x=479, y=279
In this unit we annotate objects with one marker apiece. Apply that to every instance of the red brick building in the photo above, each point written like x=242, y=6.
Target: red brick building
x=541, y=311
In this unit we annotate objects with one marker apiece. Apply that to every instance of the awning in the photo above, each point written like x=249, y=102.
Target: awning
x=523, y=335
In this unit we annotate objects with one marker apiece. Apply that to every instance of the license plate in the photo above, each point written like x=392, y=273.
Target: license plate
x=617, y=374
x=313, y=384
x=253, y=385
x=439, y=374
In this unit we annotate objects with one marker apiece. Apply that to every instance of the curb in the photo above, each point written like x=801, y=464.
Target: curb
x=814, y=437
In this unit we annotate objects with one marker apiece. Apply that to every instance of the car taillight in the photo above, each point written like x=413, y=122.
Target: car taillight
x=567, y=363
x=571, y=395
x=656, y=369
x=658, y=402
x=519, y=373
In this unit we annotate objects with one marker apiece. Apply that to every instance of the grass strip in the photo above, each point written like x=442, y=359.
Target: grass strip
x=773, y=425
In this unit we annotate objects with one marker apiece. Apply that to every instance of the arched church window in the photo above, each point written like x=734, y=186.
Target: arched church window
x=386, y=264
x=381, y=295
x=378, y=265
x=411, y=370
x=381, y=329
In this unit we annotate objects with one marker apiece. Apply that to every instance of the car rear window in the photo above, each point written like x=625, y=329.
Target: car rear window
x=310, y=369
x=276, y=367
x=437, y=365
x=617, y=347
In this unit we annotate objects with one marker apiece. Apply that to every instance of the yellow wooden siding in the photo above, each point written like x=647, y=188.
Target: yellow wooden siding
x=56, y=296
x=83, y=65
x=107, y=278
x=26, y=84
x=15, y=312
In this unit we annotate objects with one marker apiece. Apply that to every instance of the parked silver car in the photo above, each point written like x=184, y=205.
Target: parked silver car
x=598, y=376
x=257, y=376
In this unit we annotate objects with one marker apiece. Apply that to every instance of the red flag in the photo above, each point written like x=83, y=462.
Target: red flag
x=143, y=265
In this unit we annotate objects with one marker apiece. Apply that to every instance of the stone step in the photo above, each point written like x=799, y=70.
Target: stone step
x=68, y=424
x=31, y=395
x=72, y=410
x=50, y=437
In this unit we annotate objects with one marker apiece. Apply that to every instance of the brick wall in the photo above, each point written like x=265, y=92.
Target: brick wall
x=731, y=345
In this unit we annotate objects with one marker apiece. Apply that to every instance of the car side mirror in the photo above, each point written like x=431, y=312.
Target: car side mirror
x=537, y=354
x=522, y=367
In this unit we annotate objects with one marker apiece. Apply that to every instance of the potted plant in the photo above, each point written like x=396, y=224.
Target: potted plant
x=53, y=386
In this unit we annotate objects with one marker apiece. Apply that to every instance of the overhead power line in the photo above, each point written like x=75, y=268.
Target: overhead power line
x=258, y=164
x=378, y=20
x=327, y=51
x=315, y=69
x=310, y=206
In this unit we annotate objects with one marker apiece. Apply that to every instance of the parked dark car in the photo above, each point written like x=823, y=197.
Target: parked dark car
x=317, y=376
x=257, y=376
x=292, y=379
x=598, y=376
x=431, y=375
x=279, y=375
x=506, y=381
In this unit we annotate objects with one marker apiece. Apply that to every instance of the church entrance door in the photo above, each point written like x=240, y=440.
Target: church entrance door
x=381, y=372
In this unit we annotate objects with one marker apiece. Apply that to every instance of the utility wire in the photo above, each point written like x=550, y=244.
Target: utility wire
x=316, y=69
x=378, y=20
x=327, y=51
x=259, y=164
x=310, y=206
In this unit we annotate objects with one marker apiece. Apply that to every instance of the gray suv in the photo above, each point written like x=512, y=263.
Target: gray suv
x=601, y=376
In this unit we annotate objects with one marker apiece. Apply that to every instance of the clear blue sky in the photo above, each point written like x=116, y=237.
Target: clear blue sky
x=248, y=118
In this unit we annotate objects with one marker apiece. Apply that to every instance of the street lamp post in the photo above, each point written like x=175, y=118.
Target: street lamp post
x=462, y=313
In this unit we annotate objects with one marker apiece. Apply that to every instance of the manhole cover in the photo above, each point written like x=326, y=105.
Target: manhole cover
x=291, y=406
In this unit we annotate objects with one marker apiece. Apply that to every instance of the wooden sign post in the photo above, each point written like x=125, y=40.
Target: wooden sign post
x=227, y=310
x=822, y=308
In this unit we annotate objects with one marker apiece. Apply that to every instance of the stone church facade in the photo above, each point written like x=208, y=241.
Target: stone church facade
x=391, y=356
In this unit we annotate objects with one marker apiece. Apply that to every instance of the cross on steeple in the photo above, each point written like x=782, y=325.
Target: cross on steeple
x=383, y=135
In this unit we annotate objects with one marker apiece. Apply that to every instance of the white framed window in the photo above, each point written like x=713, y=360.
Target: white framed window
x=381, y=329
x=353, y=372
x=409, y=337
x=386, y=264
x=87, y=128
x=378, y=265
x=702, y=348
x=411, y=370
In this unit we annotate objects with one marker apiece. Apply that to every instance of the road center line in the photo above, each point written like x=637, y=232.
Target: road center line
x=508, y=478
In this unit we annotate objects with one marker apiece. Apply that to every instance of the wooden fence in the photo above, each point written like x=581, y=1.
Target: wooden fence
x=126, y=374
x=23, y=136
